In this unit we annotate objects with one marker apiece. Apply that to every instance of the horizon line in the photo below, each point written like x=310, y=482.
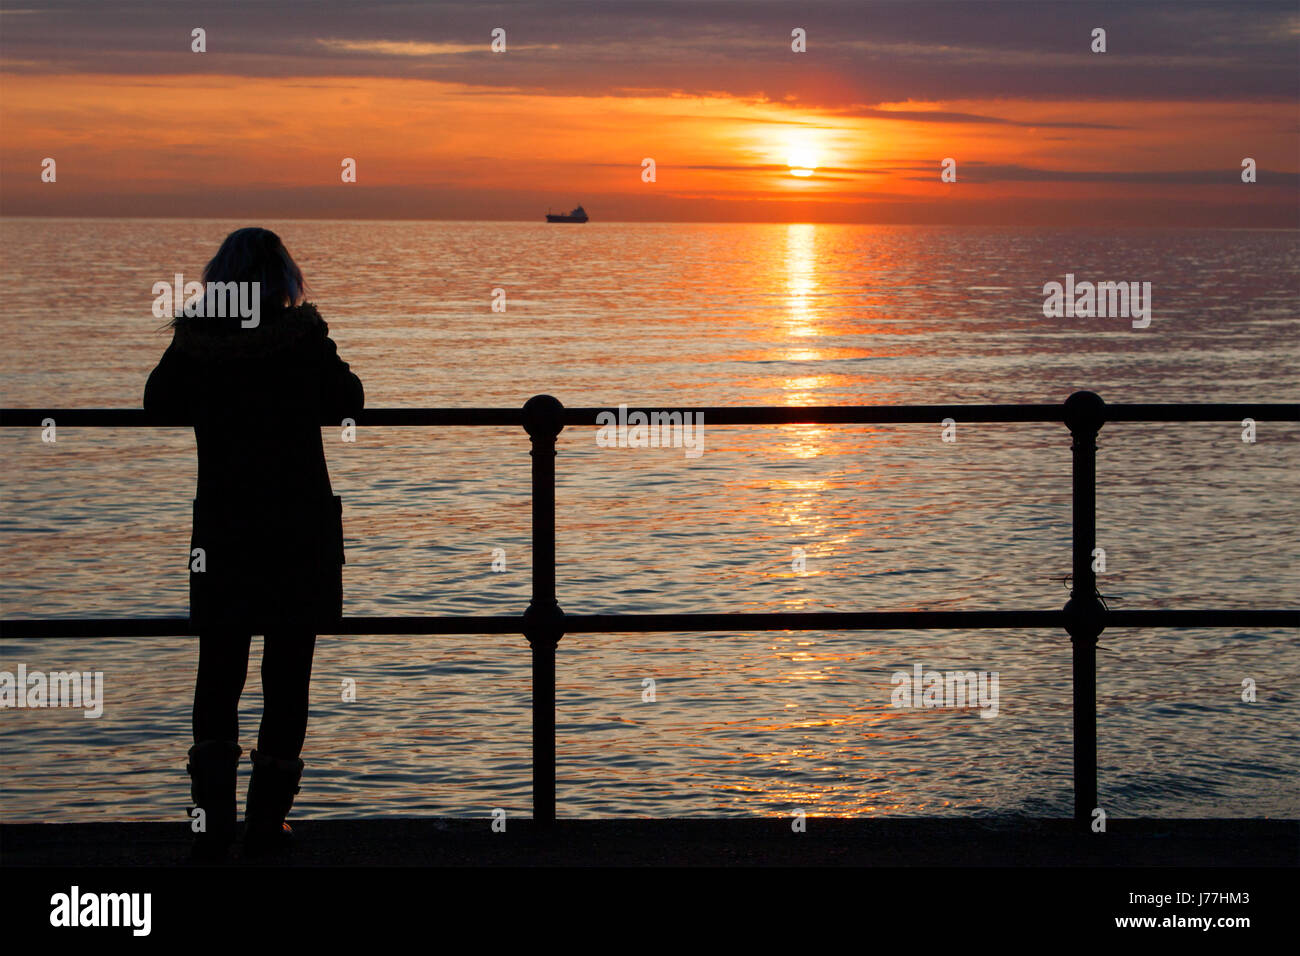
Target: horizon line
x=681, y=222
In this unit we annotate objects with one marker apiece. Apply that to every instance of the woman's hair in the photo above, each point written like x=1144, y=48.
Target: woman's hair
x=258, y=255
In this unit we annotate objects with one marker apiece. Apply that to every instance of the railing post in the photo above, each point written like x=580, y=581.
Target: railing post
x=543, y=621
x=1085, y=413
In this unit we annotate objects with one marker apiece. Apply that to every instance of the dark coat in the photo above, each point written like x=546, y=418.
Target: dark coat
x=265, y=514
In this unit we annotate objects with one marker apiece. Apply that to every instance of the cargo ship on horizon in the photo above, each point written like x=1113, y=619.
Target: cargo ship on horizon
x=578, y=215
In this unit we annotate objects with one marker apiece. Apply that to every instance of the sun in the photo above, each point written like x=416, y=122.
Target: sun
x=802, y=162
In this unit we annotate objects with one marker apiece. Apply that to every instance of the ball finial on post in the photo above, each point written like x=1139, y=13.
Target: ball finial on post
x=542, y=416
x=1085, y=411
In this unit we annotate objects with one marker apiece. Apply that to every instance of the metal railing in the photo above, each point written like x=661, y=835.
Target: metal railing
x=543, y=623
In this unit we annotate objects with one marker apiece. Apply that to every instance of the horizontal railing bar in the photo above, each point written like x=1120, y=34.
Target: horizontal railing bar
x=712, y=415
x=1231, y=412
x=832, y=414
x=107, y=417
x=934, y=414
x=810, y=621
x=180, y=626
x=1205, y=618
x=916, y=620
x=649, y=623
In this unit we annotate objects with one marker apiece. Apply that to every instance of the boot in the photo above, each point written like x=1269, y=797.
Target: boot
x=271, y=790
x=213, y=768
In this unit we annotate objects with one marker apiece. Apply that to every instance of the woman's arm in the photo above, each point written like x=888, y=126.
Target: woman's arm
x=341, y=393
x=168, y=390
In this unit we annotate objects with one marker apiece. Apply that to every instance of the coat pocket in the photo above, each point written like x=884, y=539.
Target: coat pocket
x=336, y=526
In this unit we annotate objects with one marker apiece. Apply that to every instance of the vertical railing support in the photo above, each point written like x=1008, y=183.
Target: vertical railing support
x=543, y=621
x=1085, y=413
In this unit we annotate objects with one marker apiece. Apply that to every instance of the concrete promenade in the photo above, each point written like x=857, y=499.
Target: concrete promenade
x=668, y=842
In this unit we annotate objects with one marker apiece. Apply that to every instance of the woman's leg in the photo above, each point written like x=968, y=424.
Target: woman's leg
x=277, y=769
x=223, y=667
x=214, y=759
x=286, y=682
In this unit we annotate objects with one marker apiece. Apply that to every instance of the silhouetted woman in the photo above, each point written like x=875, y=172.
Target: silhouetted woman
x=267, y=544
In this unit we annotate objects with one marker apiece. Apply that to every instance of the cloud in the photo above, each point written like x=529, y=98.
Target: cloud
x=415, y=48
x=976, y=172
x=881, y=53
x=947, y=116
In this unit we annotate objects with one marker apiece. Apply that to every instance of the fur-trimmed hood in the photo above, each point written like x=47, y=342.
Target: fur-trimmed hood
x=286, y=361
x=225, y=339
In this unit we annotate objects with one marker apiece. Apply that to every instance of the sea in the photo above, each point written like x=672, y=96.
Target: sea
x=1191, y=722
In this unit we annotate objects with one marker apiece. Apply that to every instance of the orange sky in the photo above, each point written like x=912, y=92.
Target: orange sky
x=220, y=144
